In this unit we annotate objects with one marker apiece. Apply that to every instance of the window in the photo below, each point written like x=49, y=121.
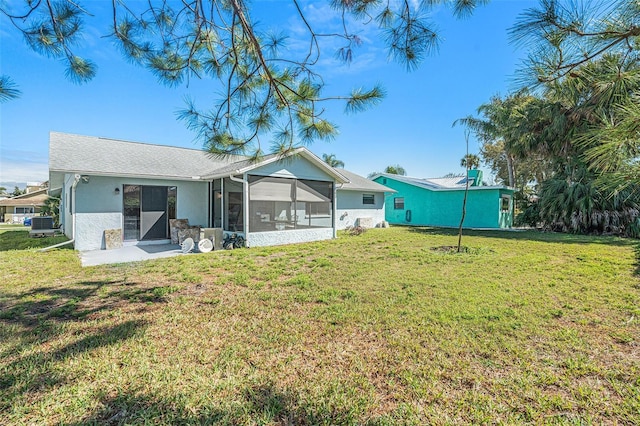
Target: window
x=368, y=199
x=505, y=202
x=24, y=210
x=172, y=196
x=280, y=204
x=398, y=203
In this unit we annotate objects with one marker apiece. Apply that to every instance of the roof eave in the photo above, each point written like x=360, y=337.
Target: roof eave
x=131, y=175
x=299, y=151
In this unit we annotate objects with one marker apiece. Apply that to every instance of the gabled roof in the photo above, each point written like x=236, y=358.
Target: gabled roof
x=439, y=184
x=246, y=165
x=35, y=198
x=111, y=157
x=359, y=183
x=90, y=155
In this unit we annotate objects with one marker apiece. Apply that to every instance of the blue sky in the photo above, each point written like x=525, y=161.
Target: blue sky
x=411, y=127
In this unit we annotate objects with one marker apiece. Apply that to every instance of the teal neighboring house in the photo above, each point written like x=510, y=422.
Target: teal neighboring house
x=438, y=201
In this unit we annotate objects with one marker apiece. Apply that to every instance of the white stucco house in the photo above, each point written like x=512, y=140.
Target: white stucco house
x=106, y=184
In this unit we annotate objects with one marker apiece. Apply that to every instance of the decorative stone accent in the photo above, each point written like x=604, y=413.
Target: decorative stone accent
x=176, y=225
x=365, y=222
x=112, y=238
x=192, y=232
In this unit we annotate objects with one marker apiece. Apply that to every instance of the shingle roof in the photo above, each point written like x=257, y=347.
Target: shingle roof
x=89, y=154
x=230, y=167
x=359, y=183
x=103, y=156
x=35, y=198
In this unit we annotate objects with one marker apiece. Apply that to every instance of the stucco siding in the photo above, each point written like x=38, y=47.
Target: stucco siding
x=99, y=207
x=276, y=238
x=90, y=229
x=444, y=207
x=350, y=207
x=296, y=167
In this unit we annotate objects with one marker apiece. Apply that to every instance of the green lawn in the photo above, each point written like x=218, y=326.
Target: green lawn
x=372, y=329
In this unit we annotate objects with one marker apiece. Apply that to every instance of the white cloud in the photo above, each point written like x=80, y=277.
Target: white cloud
x=23, y=166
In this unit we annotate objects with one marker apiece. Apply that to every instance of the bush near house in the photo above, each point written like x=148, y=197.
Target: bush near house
x=381, y=329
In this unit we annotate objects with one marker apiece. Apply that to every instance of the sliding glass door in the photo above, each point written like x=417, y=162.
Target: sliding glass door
x=147, y=210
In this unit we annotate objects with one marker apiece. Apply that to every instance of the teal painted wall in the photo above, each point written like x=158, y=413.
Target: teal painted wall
x=444, y=208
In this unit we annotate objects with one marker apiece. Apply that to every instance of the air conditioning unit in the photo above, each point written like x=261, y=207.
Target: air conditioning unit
x=41, y=222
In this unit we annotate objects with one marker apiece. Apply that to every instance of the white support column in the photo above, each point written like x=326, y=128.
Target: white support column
x=245, y=205
x=335, y=209
x=210, y=204
x=222, y=200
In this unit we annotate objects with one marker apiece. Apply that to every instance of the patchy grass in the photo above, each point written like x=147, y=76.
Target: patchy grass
x=17, y=238
x=379, y=329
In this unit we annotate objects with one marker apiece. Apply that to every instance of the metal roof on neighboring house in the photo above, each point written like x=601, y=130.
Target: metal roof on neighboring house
x=439, y=184
x=451, y=182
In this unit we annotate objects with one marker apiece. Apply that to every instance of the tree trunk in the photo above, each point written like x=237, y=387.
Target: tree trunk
x=464, y=212
x=511, y=171
x=466, y=190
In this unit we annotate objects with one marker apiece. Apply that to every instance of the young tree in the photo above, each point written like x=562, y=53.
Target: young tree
x=331, y=160
x=271, y=95
x=468, y=162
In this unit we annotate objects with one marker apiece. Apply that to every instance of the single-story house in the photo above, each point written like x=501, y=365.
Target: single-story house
x=16, y=209
x=106, y=184
x=438, y=201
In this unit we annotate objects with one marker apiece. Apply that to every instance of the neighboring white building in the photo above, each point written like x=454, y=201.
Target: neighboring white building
x=135, y=187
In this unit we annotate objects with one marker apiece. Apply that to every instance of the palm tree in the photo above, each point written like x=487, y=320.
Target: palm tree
x=502, y=123
x=331, y=160
x=470, y=161
x=51, y=208
x=396, y=169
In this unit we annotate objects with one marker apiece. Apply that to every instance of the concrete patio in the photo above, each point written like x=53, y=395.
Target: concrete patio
x=129, y=254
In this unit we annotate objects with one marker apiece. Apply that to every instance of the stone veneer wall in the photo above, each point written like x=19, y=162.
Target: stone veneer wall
x=275, y=238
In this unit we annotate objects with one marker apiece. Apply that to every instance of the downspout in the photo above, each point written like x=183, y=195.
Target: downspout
x=335, y=209
x=76, y=179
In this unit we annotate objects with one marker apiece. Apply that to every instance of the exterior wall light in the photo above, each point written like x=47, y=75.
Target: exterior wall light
x=117, y=191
